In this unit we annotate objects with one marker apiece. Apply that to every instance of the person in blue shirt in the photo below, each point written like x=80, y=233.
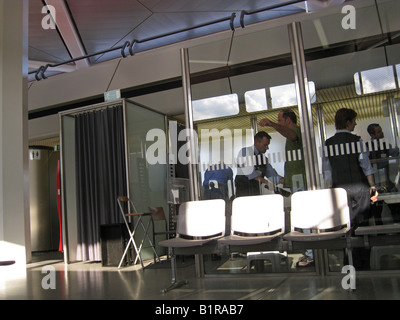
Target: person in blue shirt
x=253, y=166
x=223, y=175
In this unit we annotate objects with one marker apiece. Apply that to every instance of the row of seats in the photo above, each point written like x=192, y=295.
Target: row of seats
x=258, y=224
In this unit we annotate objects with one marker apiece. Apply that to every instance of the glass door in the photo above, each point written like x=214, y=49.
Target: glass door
x=233, y=89
x=353, y=60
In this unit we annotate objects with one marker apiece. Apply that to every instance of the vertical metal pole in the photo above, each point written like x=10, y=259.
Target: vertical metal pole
x=393, y=118
x=304, y=105
x=321, y=124
x=187, y=95
x=254, y=124
x=193, y=143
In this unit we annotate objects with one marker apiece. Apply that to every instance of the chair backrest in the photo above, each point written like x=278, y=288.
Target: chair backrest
x=260, y=214
x=320, y=209
x=203, y=218
x=125, y=204
x=157, y=213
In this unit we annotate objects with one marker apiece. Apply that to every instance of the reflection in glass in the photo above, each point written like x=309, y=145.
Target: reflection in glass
x=285, y=95
x=375, y=80
x=256, y=100
x=281, y=96
x=221, y=106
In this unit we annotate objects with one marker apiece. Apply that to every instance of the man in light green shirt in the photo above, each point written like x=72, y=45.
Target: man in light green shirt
x=295, y=175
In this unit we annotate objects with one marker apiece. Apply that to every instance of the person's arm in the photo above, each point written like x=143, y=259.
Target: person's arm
x=285, y=131
x=369, y=173
x=272, y=174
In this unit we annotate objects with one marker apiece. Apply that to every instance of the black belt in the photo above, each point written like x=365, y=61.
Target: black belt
x=183, y=236
x=315, y=230
x=246, y=234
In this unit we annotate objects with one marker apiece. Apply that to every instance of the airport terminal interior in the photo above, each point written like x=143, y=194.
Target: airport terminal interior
x=141, y=186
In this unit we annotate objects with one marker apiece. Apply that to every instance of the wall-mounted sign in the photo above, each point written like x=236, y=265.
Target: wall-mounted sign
x=112, y=95
x=34, y=154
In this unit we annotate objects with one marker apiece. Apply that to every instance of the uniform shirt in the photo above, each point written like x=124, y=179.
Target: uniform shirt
x=294, y=165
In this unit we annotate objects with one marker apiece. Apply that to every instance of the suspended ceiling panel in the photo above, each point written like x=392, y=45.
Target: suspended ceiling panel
x=99, y=25
x=264, y=44
x=169, y=102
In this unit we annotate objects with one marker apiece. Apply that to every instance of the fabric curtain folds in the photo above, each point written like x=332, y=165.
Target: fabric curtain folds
x=101, y=175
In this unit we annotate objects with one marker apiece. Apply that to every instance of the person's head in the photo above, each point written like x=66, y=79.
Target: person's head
x=375, y=131
x=287, y=118
x=345, y=119
x=261, y=141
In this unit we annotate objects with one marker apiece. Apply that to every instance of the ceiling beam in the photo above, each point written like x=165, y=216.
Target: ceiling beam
x=68, y=32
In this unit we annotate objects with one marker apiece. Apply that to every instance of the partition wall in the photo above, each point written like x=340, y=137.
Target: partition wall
x=314, y=66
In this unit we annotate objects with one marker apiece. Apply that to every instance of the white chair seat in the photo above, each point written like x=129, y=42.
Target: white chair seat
x=326, y=210
x=256, y=220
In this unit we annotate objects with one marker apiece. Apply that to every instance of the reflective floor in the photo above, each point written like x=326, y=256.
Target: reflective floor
x=47, y=277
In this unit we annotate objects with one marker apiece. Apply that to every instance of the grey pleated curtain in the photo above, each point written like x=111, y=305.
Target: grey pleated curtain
x=101, y=175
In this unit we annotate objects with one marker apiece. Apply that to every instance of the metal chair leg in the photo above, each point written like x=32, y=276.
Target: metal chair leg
x=174, y=283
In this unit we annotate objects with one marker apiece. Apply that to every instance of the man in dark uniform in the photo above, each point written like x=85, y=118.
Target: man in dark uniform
x=351, y=170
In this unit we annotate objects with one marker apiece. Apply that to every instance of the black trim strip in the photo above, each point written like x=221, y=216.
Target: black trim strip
x=245, y=234
x=183, y=236
x=316, y=230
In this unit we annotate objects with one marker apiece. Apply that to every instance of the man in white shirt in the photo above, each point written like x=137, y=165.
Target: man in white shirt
x=253, y=166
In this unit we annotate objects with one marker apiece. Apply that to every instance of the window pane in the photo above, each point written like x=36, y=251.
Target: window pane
x=375, y=80
x=215, y=107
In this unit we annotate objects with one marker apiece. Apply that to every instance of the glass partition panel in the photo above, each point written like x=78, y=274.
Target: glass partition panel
x=146, y=141
x=255, y=78
x=355, y=76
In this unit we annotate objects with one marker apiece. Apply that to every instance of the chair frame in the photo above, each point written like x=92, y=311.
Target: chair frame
x=188, y=240
x=321, y=235
x=158, y=214
x=125, y=199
